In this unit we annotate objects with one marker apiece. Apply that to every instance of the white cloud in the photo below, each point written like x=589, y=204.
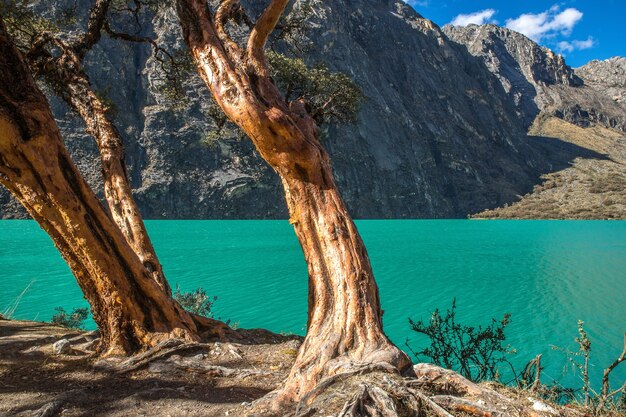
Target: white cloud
x=550, y=23
x=477, y=18
x=576, y=45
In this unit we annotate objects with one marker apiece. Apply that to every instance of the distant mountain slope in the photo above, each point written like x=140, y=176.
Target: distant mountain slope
x=578, y=112
x=537, y=79
x=441, y=132
x=593, y=187
x=608, y=76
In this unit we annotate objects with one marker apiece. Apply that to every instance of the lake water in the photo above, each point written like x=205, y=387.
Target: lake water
x=547, y=274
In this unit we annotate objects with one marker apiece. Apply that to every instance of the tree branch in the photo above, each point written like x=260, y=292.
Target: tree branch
x=221, y=74
x=143, y=39
x=262, y=29
x=227, y=10
x=97, y=19
x=607, y=373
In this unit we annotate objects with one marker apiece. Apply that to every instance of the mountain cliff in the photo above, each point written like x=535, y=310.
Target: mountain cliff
x=441, y=131
x=583, y=109
x=608, y=76
x=538, y=80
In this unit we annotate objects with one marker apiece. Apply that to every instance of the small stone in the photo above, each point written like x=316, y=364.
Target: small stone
x=62, y=347
x=91, y=346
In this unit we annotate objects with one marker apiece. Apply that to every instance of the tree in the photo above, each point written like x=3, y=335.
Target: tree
x=344, y=329
x=131, y=309
x=60, y=64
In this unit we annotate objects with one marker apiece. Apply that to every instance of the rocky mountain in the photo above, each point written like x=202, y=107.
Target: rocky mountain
x=538, y=80
x=579, y=110
x=608, y=76
x=441, y=131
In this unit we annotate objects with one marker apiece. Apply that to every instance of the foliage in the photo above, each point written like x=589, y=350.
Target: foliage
x=24, y=23
x=293, y=28
x=556, y=393
x=332, y=96
x=173, y=69
x=580, y=358
x=196, y=301
x=475, y=352
x=111, y=109
x=73, y=320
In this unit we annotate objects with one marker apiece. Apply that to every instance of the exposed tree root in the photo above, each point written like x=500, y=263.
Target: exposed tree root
x=211, y=329
x=53, y=408
x=370, y=400
x=181, y=355
x=377, y=391
x=326, y=383
x=160, y=351
x=195, y=365
x=461, y=404
x=436, y=408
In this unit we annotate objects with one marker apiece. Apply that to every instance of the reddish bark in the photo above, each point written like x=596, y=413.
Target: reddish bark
x=345, y=318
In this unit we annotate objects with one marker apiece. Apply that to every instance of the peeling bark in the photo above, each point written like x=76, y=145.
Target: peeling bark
x=131, y=310
x=65, y=73
x=345, y=318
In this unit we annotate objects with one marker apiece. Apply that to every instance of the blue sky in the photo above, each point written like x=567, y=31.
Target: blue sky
x=580, y=30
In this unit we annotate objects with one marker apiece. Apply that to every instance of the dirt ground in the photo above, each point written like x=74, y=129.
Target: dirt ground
x=36, y=382
x=228, y=379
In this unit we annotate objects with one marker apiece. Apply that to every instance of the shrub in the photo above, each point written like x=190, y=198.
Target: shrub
x=474, y=352
x=477, y=352
x=608, y=400
x=196, y=301
x=73, y=320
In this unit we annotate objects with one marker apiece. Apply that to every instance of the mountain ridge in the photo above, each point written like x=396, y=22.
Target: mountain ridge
x=437, y=135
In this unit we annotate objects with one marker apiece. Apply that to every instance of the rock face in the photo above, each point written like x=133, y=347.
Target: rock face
x=526, y=70
x=608, y=76
x=538, y=80
x=438, y=134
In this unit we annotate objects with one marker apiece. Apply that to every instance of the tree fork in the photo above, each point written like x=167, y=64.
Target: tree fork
x=65, y=73
x=345, y=319
x=131, y=309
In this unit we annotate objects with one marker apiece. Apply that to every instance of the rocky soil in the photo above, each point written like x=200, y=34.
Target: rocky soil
x=36, y=381
x=50, y=371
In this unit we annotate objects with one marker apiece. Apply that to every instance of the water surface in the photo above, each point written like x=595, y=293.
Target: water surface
x=547, y=274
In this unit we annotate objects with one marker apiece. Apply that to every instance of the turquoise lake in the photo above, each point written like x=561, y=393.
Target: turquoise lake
x=547, y=274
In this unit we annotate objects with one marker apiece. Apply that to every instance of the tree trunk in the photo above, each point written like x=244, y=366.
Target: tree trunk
x=65, y=73
x=345, y=319
x=117, y=190
x=344, y=328
x=131, y=310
